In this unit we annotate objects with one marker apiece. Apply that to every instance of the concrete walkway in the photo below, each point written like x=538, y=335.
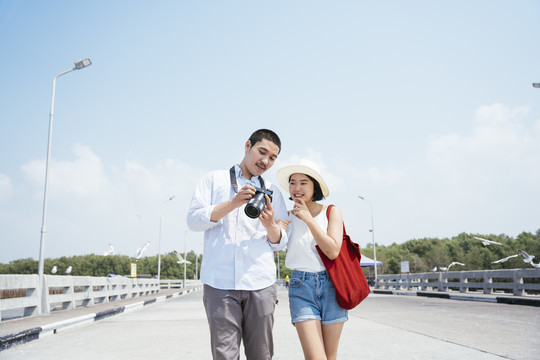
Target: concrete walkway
x=383, y=326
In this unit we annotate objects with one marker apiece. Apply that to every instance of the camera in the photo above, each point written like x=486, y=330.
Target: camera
x=257, y=203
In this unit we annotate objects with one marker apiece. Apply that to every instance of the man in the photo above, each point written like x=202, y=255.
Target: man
x=238, y=270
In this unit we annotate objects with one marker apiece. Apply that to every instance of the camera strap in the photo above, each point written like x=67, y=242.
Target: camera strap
x=235, y=184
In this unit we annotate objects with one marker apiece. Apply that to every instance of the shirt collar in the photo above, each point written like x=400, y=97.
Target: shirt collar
x=238, y=172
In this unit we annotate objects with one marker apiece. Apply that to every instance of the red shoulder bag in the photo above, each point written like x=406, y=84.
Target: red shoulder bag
x=346, y=273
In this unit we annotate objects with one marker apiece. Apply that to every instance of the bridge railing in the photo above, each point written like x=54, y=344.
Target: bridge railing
x=519, y=282
x=20, y=295
x=179, y=284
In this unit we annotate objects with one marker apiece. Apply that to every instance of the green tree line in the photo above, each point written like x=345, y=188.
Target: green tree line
x=425, y=254
x=99, y=265
x=422, y=255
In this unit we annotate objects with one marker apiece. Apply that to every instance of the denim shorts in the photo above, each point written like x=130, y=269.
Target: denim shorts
x=312, y=296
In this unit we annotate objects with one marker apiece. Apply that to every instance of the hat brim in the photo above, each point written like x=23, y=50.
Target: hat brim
x=284, y=174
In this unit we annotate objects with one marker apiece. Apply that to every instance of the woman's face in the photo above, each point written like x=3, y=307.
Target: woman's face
x=301, y=187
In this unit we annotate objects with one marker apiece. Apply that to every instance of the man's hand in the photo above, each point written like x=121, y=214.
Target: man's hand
x=267, y=220
x=283, y=223
x=240, y=198
x=243, y=196
x=267, y=215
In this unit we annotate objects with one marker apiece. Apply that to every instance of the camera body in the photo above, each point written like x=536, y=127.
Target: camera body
x=256, y=205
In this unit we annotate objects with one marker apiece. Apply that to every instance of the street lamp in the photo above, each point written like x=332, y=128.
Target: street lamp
x=78, y=65
x=278, y=274
x=185, y=258
x=372, y=237
x=196, y=266
x=159, y=240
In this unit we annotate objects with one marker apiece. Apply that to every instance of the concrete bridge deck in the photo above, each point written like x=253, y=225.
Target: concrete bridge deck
x=383, y=326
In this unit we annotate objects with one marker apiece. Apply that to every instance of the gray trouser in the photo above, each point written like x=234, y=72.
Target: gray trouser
x=236, y=315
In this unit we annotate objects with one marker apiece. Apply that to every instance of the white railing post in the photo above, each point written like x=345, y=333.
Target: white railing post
x=440, y=286
x=487, y=280
x=463, y=280
x=518, y=280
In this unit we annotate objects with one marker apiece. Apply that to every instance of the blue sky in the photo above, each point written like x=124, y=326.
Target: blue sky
x=423, y=107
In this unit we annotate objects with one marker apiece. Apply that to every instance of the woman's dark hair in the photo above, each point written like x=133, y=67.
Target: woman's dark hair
x=267, y=135
x=317, y=191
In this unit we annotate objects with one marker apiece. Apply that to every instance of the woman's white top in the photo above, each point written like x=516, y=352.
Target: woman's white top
x=301, y=252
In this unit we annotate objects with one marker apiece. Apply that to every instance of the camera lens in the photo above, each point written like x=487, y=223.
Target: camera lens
x=255, y=206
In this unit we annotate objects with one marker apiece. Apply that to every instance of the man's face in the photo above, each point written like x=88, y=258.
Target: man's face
x=260, y=156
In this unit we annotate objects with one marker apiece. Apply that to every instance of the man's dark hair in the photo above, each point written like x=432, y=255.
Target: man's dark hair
x=267, y=135
x=317, y=191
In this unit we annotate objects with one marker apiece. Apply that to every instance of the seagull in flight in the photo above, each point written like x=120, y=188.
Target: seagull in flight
x=110, y=251
x=486, y=242
x=454, y=263
x=180, y=259
x=526, y=257
x=141, y=250
x=504, y=259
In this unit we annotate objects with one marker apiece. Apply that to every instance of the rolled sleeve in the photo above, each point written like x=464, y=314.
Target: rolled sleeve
x=200, y=219
x=282, y=244
x=201, y=206
x=280, y=212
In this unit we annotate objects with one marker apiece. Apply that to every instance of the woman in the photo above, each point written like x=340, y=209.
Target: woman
x=312, y=299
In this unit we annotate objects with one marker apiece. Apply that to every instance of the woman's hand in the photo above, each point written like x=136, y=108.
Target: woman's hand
x=301, y=211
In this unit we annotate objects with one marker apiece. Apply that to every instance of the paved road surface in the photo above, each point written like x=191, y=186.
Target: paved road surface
x=382, y=327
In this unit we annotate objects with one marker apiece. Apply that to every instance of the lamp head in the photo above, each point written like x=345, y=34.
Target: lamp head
x=536, y=85
x=82, y=64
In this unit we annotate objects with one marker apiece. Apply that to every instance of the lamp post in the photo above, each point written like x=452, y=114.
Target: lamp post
x=196, y=266
x=78, y=65
x=278, y=274
x=372, y=237
x=185, y=258
x=159, y=239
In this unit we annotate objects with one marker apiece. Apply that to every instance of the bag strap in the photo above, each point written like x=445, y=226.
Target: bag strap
x=328, y=217
x=328, y=211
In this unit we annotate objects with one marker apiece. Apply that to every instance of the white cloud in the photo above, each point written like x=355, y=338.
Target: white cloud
x=5, y=186
x=500, y=147
x=83, y=176
x=382, y=176
x=482, y=179
x=91, y=204
x=334, y=182
x=486, y=178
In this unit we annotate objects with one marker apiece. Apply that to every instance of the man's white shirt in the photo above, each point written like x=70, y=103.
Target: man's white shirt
x=237, y=252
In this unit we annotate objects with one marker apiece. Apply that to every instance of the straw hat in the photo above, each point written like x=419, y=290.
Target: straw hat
x=303, y=166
